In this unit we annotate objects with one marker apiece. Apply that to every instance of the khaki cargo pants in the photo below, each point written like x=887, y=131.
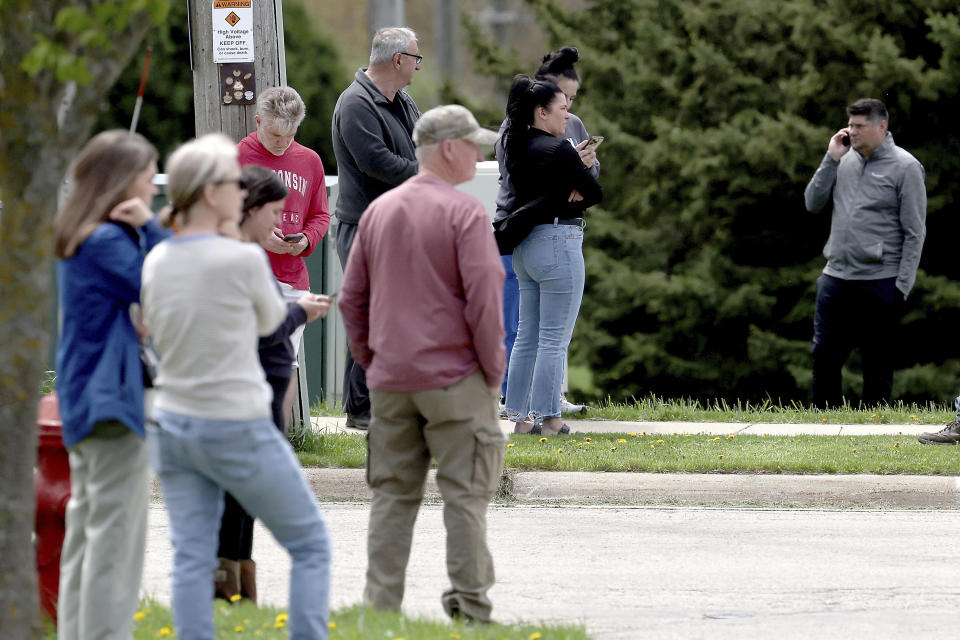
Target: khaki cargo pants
x=458, y=427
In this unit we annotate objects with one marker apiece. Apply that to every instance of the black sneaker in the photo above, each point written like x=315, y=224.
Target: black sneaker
x=950, y=434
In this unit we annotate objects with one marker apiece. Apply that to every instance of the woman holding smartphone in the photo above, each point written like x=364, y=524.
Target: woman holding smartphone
x=262, y=213
x=547, y=173
x=206, y=299
x=557, y=67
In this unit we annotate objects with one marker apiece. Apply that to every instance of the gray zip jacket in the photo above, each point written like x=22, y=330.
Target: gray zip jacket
x=373, y=144
x=879, y=214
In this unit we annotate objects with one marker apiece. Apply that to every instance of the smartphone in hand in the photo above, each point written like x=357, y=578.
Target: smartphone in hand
x=292, y=237
x=594, y=142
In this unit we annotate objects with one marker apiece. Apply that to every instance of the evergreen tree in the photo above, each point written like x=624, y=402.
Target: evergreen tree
x=702, y=261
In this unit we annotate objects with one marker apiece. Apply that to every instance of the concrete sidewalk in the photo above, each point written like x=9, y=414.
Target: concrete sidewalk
x=336, y=424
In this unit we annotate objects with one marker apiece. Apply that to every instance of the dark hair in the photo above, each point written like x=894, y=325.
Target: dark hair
x=559, y=64
x=263, y=185
x=870, y=107
x=526, y=94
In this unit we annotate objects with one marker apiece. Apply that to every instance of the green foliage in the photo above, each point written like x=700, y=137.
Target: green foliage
x=82, y=30
x=167, y=114
x=701, y=261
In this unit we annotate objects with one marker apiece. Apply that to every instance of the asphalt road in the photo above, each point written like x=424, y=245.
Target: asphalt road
x=660, y=572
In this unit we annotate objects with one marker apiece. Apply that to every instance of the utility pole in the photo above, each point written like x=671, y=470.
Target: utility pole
x=222, y=30
x=385, y=13
x=445, y=31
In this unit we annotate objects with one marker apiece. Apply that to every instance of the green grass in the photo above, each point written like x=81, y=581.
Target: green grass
x=243, y=620
x=655, y=409
x=659, y=453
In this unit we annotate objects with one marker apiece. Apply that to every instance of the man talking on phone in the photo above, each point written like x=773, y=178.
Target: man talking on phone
x=876, y=236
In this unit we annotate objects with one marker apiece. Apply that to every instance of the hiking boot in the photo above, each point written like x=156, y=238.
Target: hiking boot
x=248, y=580
x=226, y=580
x=567, y=407
x=950, y=434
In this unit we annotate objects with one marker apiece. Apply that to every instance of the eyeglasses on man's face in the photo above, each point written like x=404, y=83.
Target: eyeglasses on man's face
x=412, y=55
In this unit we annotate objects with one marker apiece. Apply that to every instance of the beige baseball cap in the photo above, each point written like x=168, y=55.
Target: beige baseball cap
x=450, y=122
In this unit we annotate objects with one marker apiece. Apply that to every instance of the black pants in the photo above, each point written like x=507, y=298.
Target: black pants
x=356, y=396
x=851, y=314
x=236, y=525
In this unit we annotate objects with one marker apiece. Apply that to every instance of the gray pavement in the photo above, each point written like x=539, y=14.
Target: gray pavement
x=336, y=424
x=639, y=555
x=629, y=572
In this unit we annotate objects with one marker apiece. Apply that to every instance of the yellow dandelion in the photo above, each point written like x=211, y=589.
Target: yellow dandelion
x=588, y=439
x=896, y=444
x=875, y=415
x=510, y=444
x=720, y=456
x=454, y=635
x=717, y=438
x=659, y=441
x=239, y=628
x=653, y=447
x=331, y=625
x=560, y=450
x=633, y=434
x=854, y=449
x=825, y=420
x=164, y=631
x=913, y=417
x=686, y=435
x=543, y=439
x=730, y=437
x=235, y=597
x=139, y=615
x=535, y=636
x=621, y=439
x=282, y=617
x=644, y=433
x=279, y=625
x=573, y=440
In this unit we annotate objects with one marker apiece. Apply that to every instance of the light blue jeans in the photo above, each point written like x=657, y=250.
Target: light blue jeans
x=196, y=460
x=550, y=273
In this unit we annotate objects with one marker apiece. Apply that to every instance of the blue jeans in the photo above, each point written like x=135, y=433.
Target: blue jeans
x=511, y=313
x=196, y=460
x=550, y=273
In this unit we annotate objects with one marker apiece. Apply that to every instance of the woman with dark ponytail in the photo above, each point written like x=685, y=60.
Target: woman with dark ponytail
x=557, y=67
x=551, y=181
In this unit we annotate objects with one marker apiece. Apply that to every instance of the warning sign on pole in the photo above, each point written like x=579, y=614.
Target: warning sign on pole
x=232, y=31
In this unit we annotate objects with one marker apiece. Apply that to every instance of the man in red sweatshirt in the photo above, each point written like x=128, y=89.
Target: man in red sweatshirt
x=306, y=215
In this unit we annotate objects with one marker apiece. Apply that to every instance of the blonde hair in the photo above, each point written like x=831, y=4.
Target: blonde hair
x=283, y=106
x=191, y=167
x=100, y=174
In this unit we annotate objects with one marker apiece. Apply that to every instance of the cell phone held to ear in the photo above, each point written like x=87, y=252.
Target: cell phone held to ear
x=845, y=140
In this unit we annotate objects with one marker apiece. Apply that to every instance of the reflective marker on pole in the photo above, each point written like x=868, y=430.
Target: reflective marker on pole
x=143, y=84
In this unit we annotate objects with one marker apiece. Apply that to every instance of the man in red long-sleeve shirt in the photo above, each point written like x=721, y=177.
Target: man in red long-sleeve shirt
x=422, y=303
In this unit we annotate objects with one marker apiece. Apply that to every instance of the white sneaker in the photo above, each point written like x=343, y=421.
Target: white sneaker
x=569, y=407
x=503, y=410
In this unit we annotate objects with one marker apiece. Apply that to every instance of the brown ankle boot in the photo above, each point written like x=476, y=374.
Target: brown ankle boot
x=248, y=580
x=226, y=580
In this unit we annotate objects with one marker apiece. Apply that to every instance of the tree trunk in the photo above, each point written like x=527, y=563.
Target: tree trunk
x=44, y=122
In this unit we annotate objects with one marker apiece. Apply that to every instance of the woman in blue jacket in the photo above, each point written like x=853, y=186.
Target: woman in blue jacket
x=102, y=234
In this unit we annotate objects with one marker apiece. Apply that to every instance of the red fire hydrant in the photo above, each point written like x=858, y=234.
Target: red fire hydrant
x=52, y=485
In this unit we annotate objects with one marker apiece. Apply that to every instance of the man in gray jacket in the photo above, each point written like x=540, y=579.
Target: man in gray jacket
x=876, y=235
x=372, y=140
